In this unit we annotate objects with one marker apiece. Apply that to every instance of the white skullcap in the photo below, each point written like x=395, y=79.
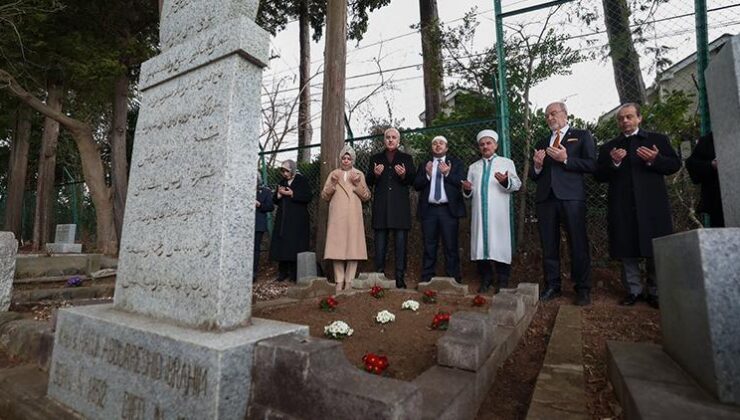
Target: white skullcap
x=487, y=133
x=440, y=138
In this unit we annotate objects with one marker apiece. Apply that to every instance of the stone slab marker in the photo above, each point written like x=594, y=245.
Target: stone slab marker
x=8, y=250
x=723, y=89
x=64, y=240
x=305, y=266
x=178, y=340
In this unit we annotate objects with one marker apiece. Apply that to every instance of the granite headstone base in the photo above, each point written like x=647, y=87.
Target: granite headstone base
x=62, y=248
x=699, y=282
x=112, y=364
x=8, y=250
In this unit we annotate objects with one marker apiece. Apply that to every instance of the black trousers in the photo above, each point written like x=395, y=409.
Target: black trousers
x=485, y=270
x=287, y=270
x=551, y=213
x=381, y=248
x=438, y=222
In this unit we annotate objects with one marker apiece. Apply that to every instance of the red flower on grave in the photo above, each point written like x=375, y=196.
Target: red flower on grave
x=430, y=296
x=441, y=321
x=377, y=292
x=479, y=300
x=375, y=363
x=328, y=304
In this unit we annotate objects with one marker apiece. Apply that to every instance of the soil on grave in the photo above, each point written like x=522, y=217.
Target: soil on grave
x=409, y=341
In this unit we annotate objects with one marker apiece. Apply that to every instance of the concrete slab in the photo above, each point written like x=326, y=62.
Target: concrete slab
x=560, y=391
x=445, y=285
x=650, y=385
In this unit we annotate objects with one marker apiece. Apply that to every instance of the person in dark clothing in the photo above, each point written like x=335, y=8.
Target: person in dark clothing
x=391, y=172
x=263, y=206
x=441, y=206
x=635, y=165
x=702, y=167
x=559, y=164
x=290, y=234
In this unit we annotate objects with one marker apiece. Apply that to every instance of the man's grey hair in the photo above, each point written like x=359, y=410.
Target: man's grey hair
x=392, y=129
x=561, y=105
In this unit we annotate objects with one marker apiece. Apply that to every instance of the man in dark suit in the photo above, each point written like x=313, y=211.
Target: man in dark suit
x=263, y=206
x=559, y=163
x=441, y=205
x=702, y=167
x=391, y=172
x=635, y=164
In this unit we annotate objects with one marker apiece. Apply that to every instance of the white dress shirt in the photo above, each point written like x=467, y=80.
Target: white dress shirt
x=432, y=190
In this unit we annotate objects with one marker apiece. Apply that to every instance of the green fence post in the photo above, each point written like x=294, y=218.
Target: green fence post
x=503, y=91
x=702, y=60
x=264, y=181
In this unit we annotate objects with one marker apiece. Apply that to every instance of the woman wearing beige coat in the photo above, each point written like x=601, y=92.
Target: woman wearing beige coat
x=345, y=190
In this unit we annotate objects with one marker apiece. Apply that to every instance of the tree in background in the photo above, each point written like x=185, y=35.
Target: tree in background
x=431, y=41
x=94, y=49
x=311, y=14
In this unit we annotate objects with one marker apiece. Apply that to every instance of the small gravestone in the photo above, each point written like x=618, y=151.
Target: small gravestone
x=64, y=241
x=306, y=266
x=179, y=339
x=8, y=250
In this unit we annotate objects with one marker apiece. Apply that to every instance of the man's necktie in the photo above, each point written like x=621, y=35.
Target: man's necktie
x=556, y=143
x=438, y=183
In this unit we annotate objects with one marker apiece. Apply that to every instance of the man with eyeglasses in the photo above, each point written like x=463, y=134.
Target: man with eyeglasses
x=559, y=163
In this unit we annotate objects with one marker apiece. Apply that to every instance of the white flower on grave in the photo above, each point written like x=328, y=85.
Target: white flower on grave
x=338, y=330
x=410, y=304
x=384, y=317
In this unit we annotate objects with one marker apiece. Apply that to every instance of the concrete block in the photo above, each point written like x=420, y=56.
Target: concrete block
x=110, y=364
x=468, y=342
x=305, y=377
x=54, y=248
x=368, y=280
x=448, y=394
x=65, y=234
x=444, y=285
x=699, y=282
x=507, y=309
x=310, y=288
x=651, y=386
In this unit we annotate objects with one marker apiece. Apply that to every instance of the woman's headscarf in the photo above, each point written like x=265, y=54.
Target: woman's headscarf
x=347, y=149
x=290, y=165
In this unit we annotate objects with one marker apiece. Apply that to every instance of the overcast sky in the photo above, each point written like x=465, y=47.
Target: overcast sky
x=589, y=92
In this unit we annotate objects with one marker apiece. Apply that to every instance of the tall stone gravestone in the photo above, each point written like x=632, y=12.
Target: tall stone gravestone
x=699, y=271
x=8, y=249
x=178, y=340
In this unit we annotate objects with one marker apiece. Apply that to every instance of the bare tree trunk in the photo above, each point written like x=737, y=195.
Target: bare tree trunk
x=18, y=167
x=625, y=60
x=43, y=218
x=92, y=163
x=332, y=115
x=305, y=131
x=119, y=162
x=432, y=57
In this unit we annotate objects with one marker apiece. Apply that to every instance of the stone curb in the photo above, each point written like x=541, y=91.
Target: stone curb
x=27, y=339
x=476, y=345
x=22, y=297
x=444, y=285
x=560, y=390
x=310, y=288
